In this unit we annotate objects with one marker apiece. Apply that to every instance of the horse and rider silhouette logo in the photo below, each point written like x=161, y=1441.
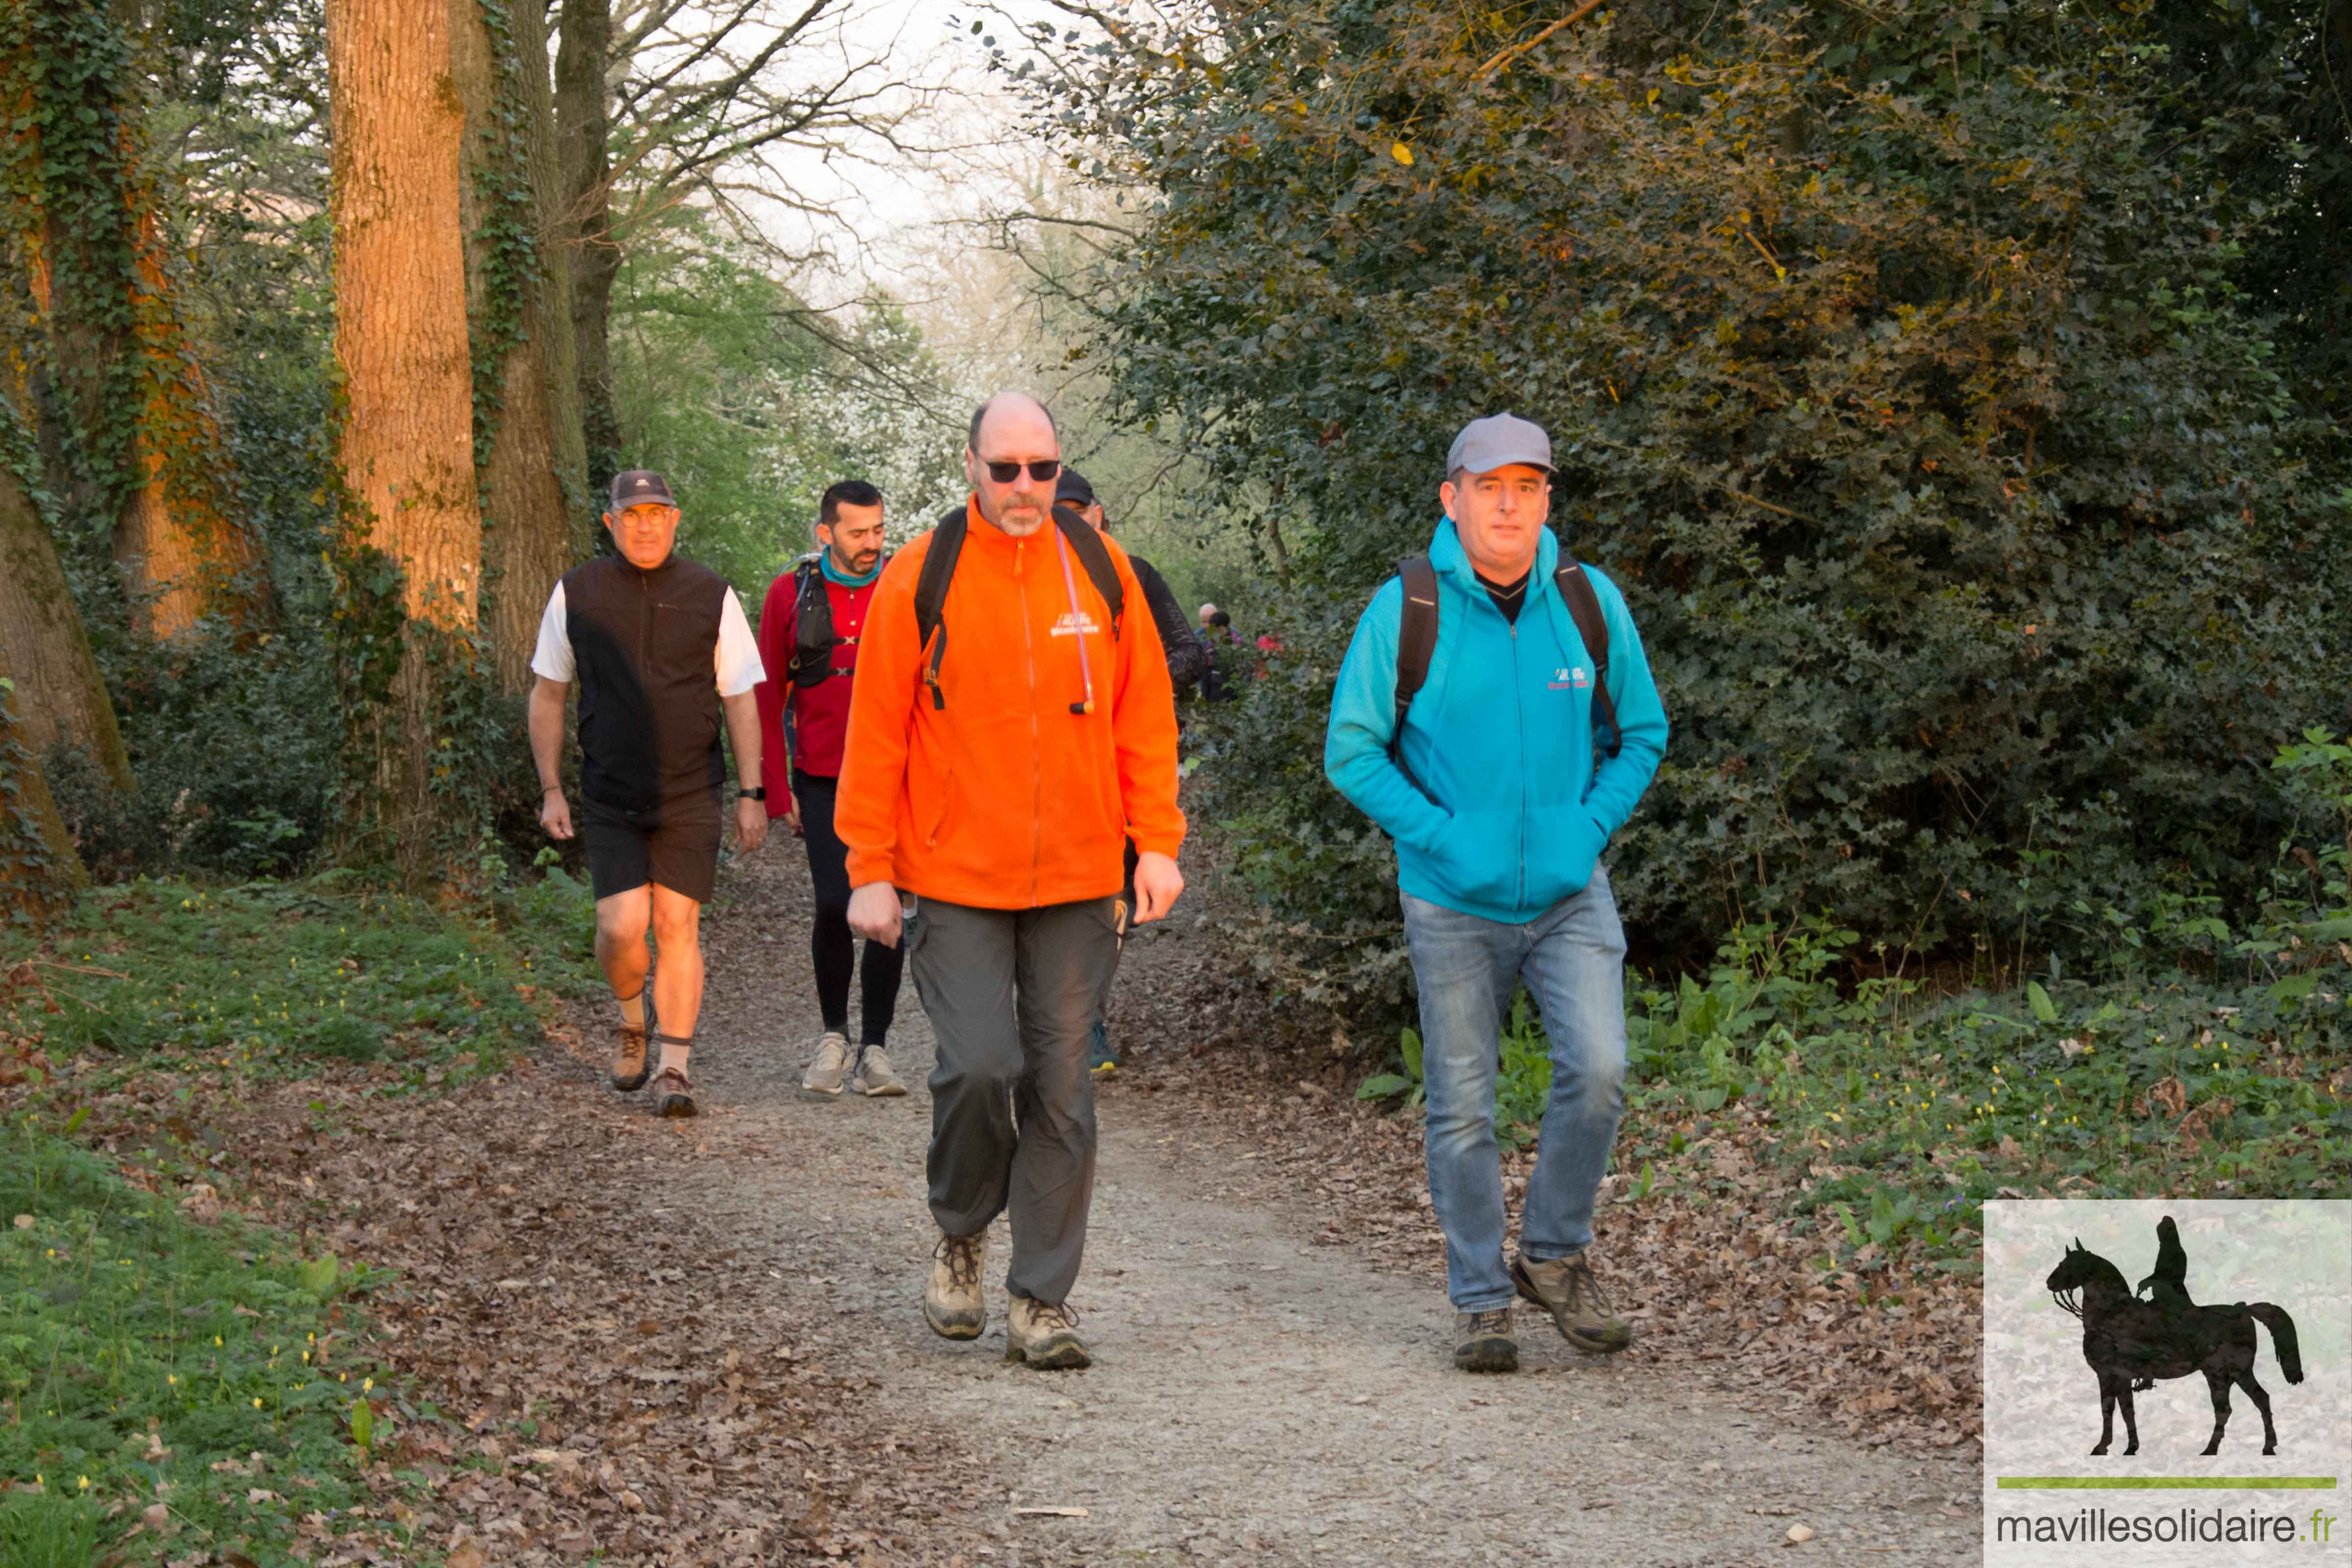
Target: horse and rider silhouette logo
x=2131, y=1342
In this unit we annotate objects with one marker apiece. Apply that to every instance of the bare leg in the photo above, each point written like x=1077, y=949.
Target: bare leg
x=620, y=941
x=678, y=985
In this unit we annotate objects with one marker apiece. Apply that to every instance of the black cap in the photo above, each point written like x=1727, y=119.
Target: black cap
x=640, y=486
x=1073, y=488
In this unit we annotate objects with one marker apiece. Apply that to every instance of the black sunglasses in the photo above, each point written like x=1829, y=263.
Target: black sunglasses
x=1042, y=470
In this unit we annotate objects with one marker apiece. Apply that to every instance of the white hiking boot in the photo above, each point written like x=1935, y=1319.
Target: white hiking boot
x=831, y=1065
x=951, y=1301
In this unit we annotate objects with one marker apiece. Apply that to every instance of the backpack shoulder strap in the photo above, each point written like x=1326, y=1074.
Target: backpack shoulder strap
x=1097, y=560
x=932, y=596
x=1584, y=608
x=1416, y=636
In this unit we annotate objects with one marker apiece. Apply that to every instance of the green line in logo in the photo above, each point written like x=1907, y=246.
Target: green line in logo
x=2170, y=1483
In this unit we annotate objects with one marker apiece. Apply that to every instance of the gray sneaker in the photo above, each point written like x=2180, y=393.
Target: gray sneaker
x=875, y=1076
x=951, y=1301
x=1044, y=1334
x=1483, y=1342
x=831, y=1064
x=1565, y=1287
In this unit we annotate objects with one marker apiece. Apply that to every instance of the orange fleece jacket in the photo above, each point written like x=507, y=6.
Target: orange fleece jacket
x=1004, y=799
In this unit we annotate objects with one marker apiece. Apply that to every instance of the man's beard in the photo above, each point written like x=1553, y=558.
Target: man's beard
x=1013, y=516
x=856, y=565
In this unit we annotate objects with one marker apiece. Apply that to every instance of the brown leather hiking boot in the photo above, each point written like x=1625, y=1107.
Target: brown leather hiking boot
x=1483, y=1342
x=951, y=1301
x=1565, y=1288
x=630, y=1063
x=1044, y=1334
x=677, y=1095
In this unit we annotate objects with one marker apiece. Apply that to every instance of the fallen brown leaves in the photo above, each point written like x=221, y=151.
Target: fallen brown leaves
x=612, y=1385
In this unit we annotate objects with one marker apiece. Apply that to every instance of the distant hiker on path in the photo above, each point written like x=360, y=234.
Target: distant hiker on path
x=810, y=628
x=1478, y=688
x=1010, y=727
x=1223, y=643
x=663, y=655
x=1188, y=661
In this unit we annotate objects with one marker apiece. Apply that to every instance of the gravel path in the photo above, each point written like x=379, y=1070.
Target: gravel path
x=1256, y=1397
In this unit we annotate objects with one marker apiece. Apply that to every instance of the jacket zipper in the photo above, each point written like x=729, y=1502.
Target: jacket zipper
x=1519, y=698
x=1036, y=739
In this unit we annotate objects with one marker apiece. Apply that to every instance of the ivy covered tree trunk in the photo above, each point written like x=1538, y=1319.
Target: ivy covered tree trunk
x=39, y=869
x=528, y=445
x=410, y=575
x=113, y=381
x=583, y=122
x=61, y=698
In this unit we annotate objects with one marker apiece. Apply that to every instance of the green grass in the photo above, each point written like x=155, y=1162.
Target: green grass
x=147, y=1359
x=139, y=1351
x=270, y=978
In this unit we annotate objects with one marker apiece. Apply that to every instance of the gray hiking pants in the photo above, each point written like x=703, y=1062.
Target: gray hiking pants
x=1013, y=995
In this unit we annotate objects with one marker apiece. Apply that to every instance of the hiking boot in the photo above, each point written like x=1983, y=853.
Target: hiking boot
x=875, y=1076
x=1483, y=1342
x=951, y=1301
x=1565, y=1288
x=630, y=1062
x=831, y=1064
x=674, y=1092
x=1044, y=1334
x=1101, y=1060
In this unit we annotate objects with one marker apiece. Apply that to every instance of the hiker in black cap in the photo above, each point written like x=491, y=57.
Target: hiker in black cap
x=663, y=654
x=1188, y=663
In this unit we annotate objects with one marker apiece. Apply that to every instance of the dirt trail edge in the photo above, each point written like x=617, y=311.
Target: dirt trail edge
x=1254, y=1397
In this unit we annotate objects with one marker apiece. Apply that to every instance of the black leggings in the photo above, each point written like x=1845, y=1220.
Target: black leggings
x=829, y=941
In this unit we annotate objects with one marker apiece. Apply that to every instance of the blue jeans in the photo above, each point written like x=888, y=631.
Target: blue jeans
x=1573, y=957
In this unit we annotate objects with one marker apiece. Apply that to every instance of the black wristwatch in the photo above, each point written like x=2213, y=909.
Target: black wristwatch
x=759, y=794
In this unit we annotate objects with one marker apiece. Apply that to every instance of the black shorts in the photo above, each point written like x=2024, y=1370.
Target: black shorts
x=675, y=844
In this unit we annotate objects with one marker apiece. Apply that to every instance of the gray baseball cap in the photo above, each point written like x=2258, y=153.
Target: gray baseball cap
x=640, y=486
x=1496, y=442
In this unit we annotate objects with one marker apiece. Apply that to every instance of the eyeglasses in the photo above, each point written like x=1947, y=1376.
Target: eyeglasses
x=1044, y=470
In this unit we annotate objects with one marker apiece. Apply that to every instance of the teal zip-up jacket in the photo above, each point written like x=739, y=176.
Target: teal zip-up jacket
x=1509, y=815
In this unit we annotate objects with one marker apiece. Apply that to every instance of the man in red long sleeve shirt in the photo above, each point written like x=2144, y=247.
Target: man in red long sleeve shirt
x=809, y=632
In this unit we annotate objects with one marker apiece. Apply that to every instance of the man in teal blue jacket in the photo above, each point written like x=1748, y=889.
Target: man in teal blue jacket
x=1500, y=813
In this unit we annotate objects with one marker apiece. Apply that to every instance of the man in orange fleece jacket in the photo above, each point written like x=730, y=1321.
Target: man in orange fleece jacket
x=999, y=807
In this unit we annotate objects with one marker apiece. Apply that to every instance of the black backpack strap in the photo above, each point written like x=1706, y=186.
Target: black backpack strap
x=811, y=662
x=1096, y=560
x=1584, y=608
x=932, y=596
x=1416, y=637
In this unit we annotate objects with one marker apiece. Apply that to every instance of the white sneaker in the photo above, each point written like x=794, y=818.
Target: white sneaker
x=875, y=1076
x=831, y=1064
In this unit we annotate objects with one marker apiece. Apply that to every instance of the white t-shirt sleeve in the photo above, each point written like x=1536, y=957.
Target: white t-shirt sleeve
x=740, y=668
x=553, y=657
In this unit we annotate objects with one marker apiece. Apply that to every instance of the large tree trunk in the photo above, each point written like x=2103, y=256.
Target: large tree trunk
x=126, y=424
x=61, y=701
x=406, y=438
x=39, y=871
x=528, y=435
x=181, y=541
x=583, y=122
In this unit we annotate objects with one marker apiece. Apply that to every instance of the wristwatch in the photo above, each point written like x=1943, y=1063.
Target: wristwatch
x=759, y=794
